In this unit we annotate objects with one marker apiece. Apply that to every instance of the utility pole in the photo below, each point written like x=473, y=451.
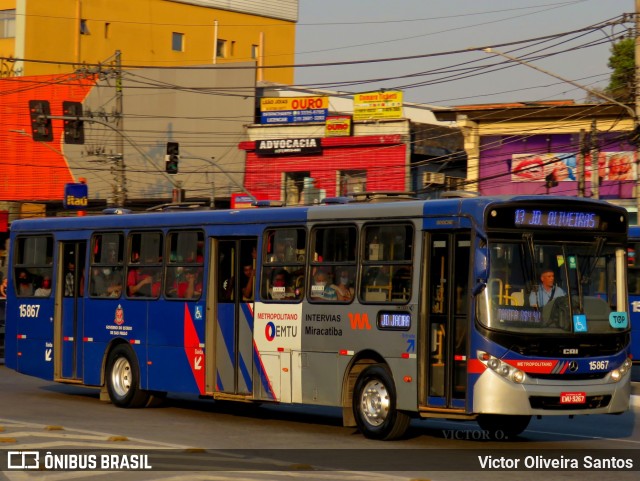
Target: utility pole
x=580, y=166
x=595, y=164
x=121, y=180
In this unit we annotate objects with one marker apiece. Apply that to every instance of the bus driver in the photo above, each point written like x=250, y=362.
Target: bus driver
x=546, y=291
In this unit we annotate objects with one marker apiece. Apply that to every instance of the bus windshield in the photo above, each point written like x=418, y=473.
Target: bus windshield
x=554, y=288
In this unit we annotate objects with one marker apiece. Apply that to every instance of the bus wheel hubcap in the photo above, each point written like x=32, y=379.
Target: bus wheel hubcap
x=121, y=376
x=374, y=403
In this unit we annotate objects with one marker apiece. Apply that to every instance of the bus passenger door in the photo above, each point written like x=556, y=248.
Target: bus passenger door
x=447, y=270
x=234, y=263
x=69, y=318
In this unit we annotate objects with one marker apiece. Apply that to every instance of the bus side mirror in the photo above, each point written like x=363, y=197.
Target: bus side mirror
x=479, y=287
x=481, y=261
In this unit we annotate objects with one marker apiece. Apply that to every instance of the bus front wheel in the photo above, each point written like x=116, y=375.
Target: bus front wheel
x=502, y=426
x=123, y=379
x=374, y=405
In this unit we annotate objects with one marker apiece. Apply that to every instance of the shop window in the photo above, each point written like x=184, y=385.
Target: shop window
x=352, y=181
x=294, y=186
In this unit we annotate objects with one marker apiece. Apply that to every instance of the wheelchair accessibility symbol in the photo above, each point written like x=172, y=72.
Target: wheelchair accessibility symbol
x=198, y=314
x=579, y=323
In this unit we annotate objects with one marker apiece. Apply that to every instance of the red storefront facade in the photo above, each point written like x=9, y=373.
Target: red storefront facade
x=339, y=165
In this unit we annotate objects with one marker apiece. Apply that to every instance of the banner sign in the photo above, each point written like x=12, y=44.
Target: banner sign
x=378, y=105
x=562, y=167
x=305, y=146
x=338, y=126
x=241, y=201
x=76, y=196
x=288, y=110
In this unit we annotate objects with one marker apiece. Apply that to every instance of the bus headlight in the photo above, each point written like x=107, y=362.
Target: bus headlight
x=502, y=368
x=617, y=374
x=626, y=366
x=517, y=376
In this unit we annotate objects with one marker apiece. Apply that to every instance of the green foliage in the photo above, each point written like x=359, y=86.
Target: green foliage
x=622, y=62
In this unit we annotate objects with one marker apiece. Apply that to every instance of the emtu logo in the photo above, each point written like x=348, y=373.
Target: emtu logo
x=359, y=321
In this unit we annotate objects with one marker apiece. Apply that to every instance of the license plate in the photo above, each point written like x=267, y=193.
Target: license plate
x=573, y=398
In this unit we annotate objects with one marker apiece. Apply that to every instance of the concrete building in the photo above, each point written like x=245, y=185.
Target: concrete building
x=401, y=147
x=58, y=37
x=548, y=147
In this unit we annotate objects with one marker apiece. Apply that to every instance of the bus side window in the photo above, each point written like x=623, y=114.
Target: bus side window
x=387, y=257
x=333, y=267
x=33, y=264
x=107, y=255
x=144, y=273
x=284, y=256
x=184, y=266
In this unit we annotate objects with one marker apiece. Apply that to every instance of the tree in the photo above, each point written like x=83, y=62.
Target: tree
x=622, y=62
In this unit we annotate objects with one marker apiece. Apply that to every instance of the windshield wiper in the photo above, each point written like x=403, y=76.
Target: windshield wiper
x=530, y=270
x=599, y=245
x=584, y=275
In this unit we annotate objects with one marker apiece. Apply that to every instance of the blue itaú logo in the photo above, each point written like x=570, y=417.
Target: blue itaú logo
x=76, y=196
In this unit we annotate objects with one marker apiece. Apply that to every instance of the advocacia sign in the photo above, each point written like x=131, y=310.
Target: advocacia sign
x=304, y=146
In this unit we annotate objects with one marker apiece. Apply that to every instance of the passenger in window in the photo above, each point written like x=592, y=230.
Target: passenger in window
x=280, y=288
x=69, y=279
x=248, y=279
x=98, y=282
x=114, y=282
x=45, y=289
x=322, y=290
x=249, y=276
x=188, y=283
x=343, y=287
x=25, y=286
x=143, y=282
x=3, y=288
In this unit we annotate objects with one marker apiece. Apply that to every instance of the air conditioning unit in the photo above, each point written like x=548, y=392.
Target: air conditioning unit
x=433, y=178
x=455, y=183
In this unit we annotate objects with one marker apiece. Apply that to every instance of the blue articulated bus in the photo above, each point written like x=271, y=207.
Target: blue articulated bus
x=489, y=308
x=634, y=290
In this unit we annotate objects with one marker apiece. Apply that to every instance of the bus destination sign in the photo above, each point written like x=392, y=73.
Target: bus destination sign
x=394, y=321
x=559, y=219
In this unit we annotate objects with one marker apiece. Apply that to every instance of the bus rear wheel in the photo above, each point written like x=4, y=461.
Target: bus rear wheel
x=503, y=427
x=123, y=379
x=374, y=405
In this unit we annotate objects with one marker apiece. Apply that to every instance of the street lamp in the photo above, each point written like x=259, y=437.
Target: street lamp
x=212, y=163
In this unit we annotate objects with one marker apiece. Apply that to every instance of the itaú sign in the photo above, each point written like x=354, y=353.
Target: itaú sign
x=76, y=196
x=302, y=146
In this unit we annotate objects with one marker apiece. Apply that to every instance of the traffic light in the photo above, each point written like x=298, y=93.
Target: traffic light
x=73, y=129
x=40, y=112
x=172, y=157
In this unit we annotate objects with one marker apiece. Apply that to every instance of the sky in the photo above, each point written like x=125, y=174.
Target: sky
x=358, y=32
